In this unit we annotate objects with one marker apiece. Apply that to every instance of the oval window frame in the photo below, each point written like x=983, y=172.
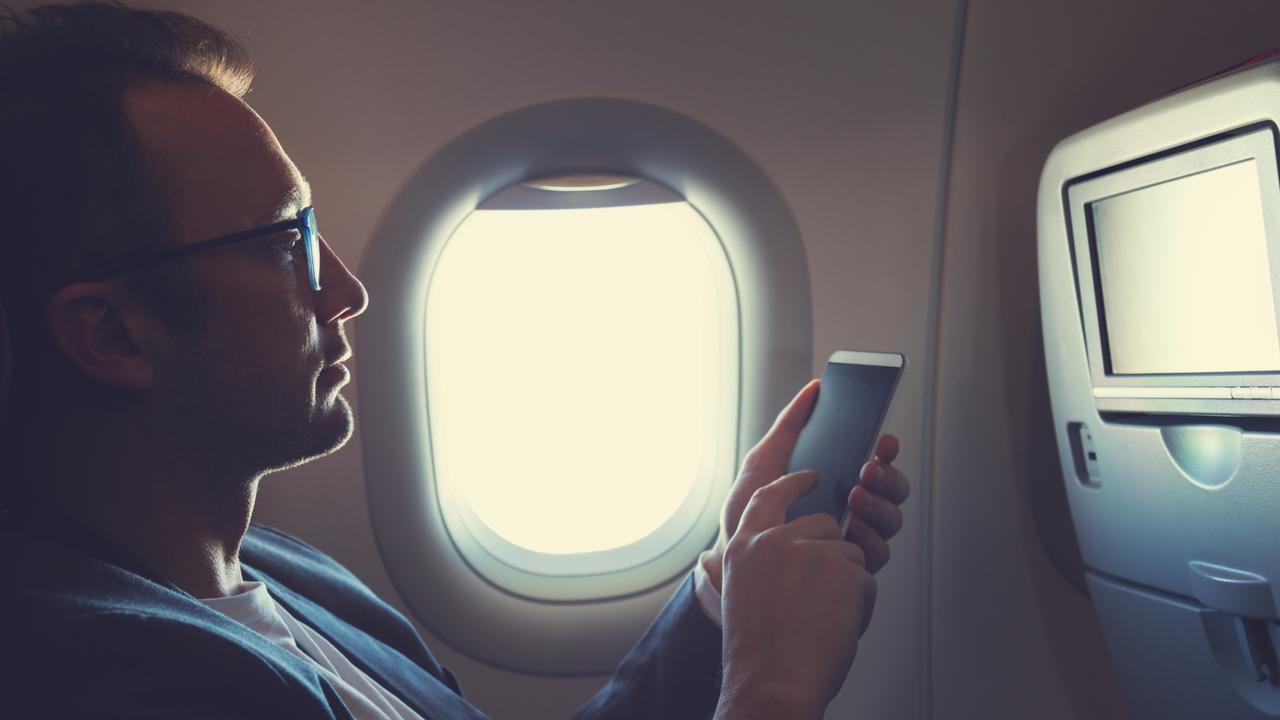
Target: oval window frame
x=766, y=255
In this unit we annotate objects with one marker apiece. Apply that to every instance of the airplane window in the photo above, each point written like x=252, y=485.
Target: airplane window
x=581, y=354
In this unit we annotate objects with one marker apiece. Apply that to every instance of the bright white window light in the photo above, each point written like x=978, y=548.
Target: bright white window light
x=575, y=378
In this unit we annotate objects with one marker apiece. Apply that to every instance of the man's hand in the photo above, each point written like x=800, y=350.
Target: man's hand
x=874, y=501
x=797, y=598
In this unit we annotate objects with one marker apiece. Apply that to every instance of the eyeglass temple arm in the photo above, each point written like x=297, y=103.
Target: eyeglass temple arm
x=139, y=260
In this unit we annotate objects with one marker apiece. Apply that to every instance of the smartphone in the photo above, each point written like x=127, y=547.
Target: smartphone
x=841, y=432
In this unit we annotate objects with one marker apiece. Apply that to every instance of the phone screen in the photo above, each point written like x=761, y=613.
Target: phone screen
x=840, y=435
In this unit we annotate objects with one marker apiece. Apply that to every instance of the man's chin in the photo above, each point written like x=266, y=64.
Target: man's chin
x=325, y=434
x=336, y=426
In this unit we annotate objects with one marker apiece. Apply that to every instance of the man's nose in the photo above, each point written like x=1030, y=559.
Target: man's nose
x=342, y=296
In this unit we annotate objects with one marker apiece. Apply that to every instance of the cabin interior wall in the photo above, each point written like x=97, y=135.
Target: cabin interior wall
x=1010, y=637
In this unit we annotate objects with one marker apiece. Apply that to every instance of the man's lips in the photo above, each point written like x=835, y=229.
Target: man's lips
x=336, y=372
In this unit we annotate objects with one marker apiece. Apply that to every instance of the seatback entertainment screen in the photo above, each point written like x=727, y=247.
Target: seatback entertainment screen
x=1186, y=277
x=1177, y=262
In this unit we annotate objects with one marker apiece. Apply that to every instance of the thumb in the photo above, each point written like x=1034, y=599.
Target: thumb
x=773, y=452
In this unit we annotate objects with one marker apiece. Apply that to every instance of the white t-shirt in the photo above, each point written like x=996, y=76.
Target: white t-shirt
x=253, y=607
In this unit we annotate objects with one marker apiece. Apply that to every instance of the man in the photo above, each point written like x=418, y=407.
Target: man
x=176, y=327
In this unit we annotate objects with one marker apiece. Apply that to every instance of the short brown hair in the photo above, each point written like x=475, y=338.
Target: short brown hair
x=76, y=186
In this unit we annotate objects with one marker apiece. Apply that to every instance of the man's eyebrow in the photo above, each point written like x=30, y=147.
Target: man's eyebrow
x=291, y=200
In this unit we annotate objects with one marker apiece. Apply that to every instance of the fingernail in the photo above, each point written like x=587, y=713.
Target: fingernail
x=876, y=471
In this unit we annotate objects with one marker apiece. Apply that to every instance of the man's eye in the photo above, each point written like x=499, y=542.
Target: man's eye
x=291, y=244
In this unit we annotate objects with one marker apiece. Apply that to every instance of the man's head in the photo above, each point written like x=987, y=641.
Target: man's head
x=135, y=137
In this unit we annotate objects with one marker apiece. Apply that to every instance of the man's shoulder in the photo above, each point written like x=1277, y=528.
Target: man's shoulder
x=79, y=630
x=55, y=579
x=57, y=588
x=50, y=576
x=154, y=663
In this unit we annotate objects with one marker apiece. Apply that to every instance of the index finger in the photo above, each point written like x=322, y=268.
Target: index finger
x=773, y=452
x=768, y=506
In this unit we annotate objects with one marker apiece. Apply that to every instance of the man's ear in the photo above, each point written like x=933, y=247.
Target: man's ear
x=88, y=323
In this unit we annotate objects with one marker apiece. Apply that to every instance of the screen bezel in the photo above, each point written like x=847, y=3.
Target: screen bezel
x=1255, y=142
x=859, y=357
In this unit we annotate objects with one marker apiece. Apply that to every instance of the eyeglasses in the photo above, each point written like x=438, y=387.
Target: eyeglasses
x=304, y=224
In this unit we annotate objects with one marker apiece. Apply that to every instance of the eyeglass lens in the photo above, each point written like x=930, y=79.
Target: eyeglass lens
x=312, y=244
